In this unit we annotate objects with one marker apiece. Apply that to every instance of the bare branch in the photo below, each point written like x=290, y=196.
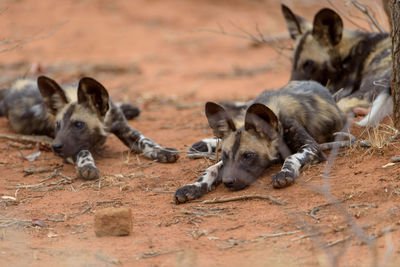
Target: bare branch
x=156, y=253
x=343, y=14
x=366, y=12
x=280, y=234
x=246, y=197
x=43, y=139
x=331, y=244
x=18, y=43
x=316, y=209
x=272, y=41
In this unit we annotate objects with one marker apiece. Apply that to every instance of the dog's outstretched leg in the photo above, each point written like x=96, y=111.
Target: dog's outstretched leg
x=137, y=142
x=207, y=182
x=307, y=151
x=85, y=167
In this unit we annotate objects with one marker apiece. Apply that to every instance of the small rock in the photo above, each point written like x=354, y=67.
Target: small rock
x=113, y=222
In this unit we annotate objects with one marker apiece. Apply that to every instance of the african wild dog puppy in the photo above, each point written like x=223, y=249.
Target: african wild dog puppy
x=355, y=66
x=78, y=118
x=285, y=124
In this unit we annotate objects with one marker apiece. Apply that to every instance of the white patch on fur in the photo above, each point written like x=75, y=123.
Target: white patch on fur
x=37, y=110
x=84, y=161
x=209, y=176
x=239, y=104
x=294, y=161
x=381, y=107
x=149, y=147
x=211, y=144
x=21, y=84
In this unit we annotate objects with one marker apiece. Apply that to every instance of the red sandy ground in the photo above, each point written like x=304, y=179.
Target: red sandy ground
x=181, y=67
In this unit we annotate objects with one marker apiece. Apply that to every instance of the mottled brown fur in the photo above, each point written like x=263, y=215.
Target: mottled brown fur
x=285, y=124
x=78, y=117
x=351, y=64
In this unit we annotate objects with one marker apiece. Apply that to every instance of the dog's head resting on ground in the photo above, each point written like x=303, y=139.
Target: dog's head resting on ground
x=78, y=114
x=249, y=145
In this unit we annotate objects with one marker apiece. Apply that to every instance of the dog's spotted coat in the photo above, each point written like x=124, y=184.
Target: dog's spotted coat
x=286, y=125
x=79, y=119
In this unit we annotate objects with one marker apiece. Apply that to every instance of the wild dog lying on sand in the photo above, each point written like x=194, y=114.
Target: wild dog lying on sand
x=355, y=66
x=285, y=124
x=79, y=118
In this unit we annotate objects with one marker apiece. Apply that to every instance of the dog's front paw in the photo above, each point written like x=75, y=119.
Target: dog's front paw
x=167, y=155
x=208, y=145
x=88, y=172
x=189, y=192
x=205, y=148
x=200, y=146
x=282, y=179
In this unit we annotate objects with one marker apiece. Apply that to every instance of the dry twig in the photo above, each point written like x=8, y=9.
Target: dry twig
x=280, y=234
x=156, y=253
x=33, y=170
x=81, y=212
x=272, y=41
x=17, y=43
x=245, y=197
x=363, y=204
x=314, y=210
x=319, y=233
x=331, y=244
x=43, y=139
x=345, y=16
x=366, y=12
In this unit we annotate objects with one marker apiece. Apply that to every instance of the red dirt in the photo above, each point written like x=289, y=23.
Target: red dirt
x=179, y=65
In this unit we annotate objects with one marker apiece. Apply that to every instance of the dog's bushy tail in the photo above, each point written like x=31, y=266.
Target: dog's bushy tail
x=381, y=107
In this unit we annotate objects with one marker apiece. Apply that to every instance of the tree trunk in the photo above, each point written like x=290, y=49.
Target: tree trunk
x=395, y=82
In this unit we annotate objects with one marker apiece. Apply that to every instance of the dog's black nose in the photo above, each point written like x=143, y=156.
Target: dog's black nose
x=57, y=147
x=229, y=183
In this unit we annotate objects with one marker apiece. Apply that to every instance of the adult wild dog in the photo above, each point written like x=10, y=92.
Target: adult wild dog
x=355, y=66
x=78, y=118
x=285, y=124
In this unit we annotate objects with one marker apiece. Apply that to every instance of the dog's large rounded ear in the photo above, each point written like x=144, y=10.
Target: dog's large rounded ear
x=327, y=27
x=262, y=120
x=93, y=93
x=295, y=24
x=53, y=95
x=219, y=120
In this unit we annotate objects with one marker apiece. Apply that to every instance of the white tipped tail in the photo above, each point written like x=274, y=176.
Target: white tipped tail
x=381, y=107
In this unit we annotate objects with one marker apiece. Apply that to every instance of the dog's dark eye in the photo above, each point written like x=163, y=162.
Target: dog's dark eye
x=249, y=156
x=58, y=125
x=79, y=124
x=308, y=65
